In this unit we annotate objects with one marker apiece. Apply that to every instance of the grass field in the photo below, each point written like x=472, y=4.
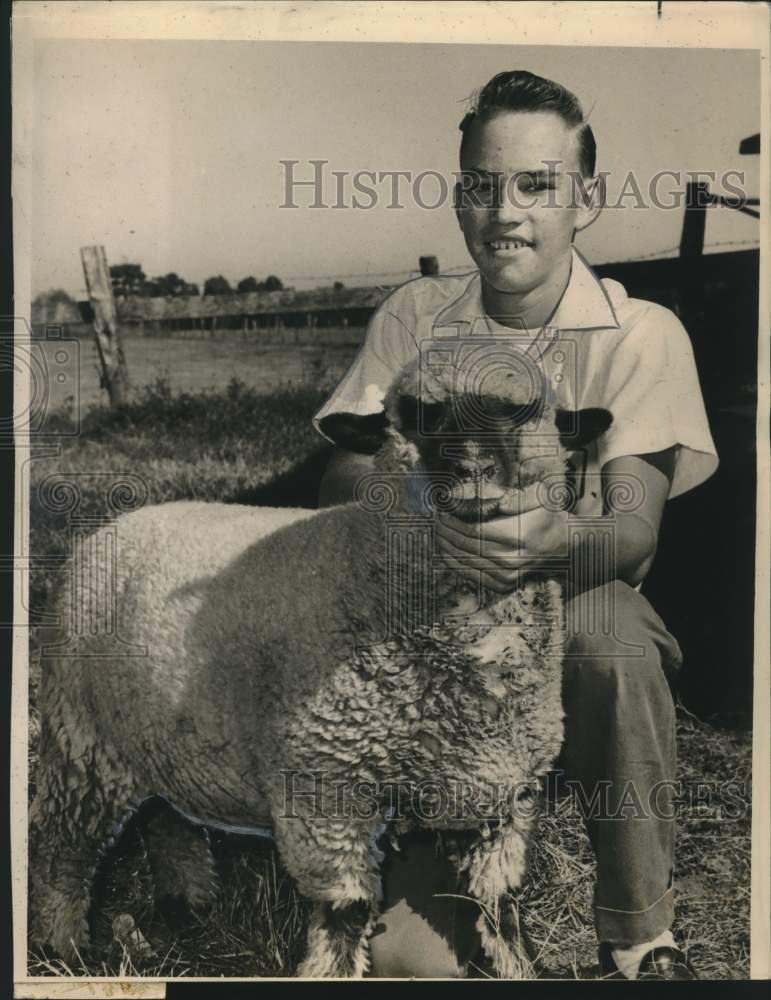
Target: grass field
x=194, y=363
x=238, y=441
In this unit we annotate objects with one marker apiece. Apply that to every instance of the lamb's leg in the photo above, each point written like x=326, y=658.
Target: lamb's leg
x=83, y=800
x=180, y=860
x=337, y=940
x=336, y=864
x=495, y=868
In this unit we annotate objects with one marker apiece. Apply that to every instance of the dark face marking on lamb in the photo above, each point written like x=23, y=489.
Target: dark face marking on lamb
x=483, y=469
x=487, y=444
x=477, y=441
x=493, y=448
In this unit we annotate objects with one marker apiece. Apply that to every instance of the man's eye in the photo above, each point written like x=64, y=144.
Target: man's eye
x=486, y=193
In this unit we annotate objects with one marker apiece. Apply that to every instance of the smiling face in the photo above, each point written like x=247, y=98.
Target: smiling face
x=519, y=223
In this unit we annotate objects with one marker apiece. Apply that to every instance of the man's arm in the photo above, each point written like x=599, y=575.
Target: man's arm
x=637, y=530
x=343, y=471
x=508, y=547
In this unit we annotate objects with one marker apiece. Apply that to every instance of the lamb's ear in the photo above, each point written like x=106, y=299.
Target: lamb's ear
x=416, y=416
x=579, y=428
x=354, y=432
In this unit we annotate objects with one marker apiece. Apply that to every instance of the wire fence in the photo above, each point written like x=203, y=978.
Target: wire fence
x=469, y=266
x=394, y=277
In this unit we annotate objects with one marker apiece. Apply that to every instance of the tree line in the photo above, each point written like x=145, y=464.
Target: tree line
x=130, y=279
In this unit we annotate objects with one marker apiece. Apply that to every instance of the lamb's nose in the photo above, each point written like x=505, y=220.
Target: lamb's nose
x=465, y=469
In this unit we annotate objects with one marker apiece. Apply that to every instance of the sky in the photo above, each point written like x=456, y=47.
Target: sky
x=168, y=152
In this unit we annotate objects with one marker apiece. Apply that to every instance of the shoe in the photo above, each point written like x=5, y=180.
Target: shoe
x=663, y=963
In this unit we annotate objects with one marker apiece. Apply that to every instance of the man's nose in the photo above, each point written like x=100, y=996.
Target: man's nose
x=510, y=208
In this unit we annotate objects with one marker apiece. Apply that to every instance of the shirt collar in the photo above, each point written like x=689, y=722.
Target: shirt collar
x=584, y=305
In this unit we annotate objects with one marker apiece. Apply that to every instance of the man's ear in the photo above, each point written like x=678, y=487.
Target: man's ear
x=361, y=434
x=578, y=428
x=589, y=195
x=457, y=202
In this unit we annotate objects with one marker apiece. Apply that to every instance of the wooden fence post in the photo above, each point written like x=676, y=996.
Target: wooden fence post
x=105, y=320
x=695, y=219
x=691, y=250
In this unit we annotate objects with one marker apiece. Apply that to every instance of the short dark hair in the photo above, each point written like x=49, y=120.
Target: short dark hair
x=518, y=90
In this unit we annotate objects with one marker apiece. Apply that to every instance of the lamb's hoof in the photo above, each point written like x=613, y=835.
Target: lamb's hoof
x=126, y=933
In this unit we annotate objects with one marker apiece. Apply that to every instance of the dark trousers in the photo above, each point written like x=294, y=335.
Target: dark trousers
x=617, y=761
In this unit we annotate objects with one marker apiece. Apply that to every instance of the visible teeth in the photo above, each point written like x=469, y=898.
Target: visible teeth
x=507, y=244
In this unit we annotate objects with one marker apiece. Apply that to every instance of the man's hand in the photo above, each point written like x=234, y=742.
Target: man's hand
x=505, y=548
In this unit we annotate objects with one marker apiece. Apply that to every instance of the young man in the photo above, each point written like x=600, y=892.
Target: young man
x=524, y=146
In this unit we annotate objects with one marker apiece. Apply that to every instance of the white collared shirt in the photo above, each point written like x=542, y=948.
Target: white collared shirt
x=601, y=349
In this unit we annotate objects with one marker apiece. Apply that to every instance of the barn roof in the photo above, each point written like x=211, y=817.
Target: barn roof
x=288, y=300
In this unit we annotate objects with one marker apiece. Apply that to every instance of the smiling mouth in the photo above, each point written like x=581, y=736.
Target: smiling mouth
x=509, y=246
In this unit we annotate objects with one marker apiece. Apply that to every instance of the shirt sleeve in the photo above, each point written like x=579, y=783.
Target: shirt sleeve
x=388, y=345
x=654, y=395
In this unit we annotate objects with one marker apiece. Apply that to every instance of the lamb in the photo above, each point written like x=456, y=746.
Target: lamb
x=290, y=668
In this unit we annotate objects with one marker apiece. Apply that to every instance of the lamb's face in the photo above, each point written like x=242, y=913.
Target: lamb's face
x=483, y=441
x=485, y=450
